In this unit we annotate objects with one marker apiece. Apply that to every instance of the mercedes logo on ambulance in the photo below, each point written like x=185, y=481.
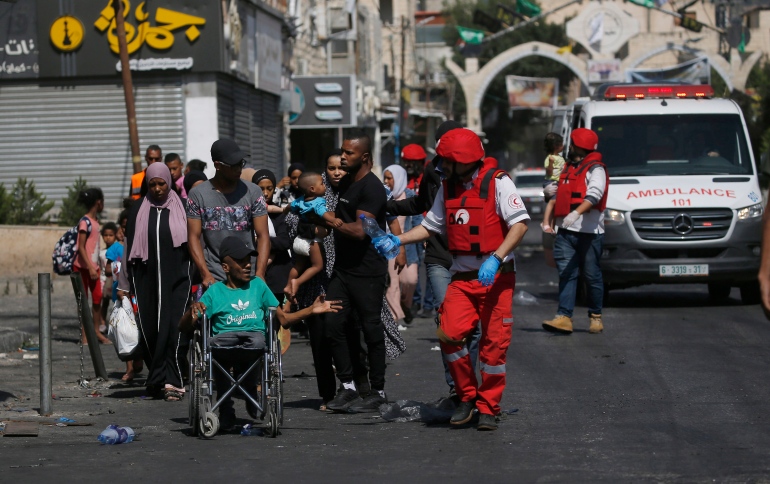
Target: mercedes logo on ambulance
x=682, y=224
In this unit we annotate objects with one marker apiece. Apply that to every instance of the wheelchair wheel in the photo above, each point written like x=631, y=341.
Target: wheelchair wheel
x=195, y=386
x=276, y=380
x=272, y=421
x=209, y=426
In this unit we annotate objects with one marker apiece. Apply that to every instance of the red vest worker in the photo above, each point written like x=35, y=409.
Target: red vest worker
x=484, y=220
x=413, y=160
x=578, y=208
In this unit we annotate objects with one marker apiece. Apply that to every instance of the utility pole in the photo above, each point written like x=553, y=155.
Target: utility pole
x=402, y=112
x=128, y=85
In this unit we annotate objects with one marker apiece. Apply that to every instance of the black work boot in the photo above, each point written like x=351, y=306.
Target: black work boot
x=464, y=413
x=487, y=422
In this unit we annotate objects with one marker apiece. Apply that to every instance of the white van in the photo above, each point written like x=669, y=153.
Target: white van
x=684, y=202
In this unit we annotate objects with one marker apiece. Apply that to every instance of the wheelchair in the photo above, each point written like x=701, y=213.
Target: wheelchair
x=203, y=365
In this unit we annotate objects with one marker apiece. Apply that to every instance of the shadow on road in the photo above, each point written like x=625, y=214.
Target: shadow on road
x=133, y=393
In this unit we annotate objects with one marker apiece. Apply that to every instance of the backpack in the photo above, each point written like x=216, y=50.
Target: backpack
x=66, y=249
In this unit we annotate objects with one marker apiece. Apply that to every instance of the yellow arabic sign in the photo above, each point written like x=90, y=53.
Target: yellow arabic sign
x=66, y=33
x=160, y=36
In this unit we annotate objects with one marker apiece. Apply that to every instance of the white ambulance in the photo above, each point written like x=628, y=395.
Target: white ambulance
x=684, y=202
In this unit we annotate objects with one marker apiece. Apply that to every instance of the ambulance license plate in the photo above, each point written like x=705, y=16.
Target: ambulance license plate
x=674, y=270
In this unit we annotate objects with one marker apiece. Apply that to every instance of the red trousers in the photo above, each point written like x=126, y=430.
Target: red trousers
x=466, y=303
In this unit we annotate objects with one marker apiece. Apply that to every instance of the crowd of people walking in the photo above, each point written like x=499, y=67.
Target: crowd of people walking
x=457, y=214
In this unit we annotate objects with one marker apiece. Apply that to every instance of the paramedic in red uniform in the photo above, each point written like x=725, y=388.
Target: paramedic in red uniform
x=484, y=220
x=581, y=197
x=413, y=160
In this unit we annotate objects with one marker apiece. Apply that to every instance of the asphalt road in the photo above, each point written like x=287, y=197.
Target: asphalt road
x=676, y=389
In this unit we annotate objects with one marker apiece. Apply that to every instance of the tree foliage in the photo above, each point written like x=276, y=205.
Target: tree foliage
x=501, y=133
x=71, y=210
x=27, y=206
x=5, y=204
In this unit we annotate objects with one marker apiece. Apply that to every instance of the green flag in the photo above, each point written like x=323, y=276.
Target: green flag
x=470, y=36
x=644, y=3
x=527, y=8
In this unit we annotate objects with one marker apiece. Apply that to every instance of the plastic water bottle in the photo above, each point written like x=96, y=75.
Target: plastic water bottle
x=373, y=230
x=249, y=430
x=114, y=435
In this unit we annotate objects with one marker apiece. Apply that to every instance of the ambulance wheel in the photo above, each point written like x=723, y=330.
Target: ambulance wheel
x=750, y=293
x=719, y=292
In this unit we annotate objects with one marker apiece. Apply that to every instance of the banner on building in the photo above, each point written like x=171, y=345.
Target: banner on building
x=604, y=71
x=532, y=92
x=695, y=71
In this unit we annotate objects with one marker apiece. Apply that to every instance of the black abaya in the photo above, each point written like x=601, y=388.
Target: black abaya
x=162, y=289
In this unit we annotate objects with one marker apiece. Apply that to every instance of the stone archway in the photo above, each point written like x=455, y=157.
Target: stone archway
x=475, y=81
x=734, y=73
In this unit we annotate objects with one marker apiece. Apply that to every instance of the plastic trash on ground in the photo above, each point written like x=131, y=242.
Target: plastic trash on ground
x=114, y=435
x=436, y=412
x=523, y=298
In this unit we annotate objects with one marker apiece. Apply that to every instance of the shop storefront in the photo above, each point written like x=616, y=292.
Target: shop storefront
x=198, y=75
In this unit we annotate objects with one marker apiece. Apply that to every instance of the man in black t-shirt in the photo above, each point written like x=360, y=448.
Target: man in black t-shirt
x=358, y=281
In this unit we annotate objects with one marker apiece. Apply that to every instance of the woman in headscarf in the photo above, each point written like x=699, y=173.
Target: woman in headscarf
x=279, y=265
x=322, y=359
x=400, y=292
x=288, y=188
x=157, y=271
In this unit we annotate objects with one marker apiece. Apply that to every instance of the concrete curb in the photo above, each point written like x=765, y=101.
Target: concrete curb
x=11, y=339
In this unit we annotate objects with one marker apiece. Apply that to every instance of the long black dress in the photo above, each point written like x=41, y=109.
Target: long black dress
x=162, y=289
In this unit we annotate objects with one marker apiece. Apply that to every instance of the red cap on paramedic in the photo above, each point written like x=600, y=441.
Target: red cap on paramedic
x=413, y=152
x=460, y=146
x=585, y=138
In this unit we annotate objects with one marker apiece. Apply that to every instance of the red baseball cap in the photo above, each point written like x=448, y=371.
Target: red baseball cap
x=413, y=152
x=585, y=138
x=460, y=146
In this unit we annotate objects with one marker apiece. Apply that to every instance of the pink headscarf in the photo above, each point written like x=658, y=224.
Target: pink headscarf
x=177, y=219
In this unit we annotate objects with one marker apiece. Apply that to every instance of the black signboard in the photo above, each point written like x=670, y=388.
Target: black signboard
x=77, y=37
x=18, y=40
x=325, y=102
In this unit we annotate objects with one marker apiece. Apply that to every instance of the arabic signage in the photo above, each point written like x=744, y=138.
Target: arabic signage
x=79, y=39
x=18, y=40
x=532, y=92
x=325, y=102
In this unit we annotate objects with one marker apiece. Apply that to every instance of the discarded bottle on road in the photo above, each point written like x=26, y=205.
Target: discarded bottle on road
x=113, y=435
x=373, y=230
x=249, y=430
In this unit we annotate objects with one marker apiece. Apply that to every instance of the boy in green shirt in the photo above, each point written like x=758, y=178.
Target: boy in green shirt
x=236, y=309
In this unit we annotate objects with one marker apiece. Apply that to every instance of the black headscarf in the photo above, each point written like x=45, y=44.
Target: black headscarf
x=296, y=166
x=191, y=177
x=263, y=174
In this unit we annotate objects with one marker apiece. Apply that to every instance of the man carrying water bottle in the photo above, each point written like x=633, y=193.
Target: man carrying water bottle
x=484, y=220
x=358, y=280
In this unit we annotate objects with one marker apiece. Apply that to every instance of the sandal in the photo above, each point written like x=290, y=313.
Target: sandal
x=173, y=394
x=128, y=377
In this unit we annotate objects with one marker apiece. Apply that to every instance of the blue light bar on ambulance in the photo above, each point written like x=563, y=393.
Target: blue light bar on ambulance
x=632, y=91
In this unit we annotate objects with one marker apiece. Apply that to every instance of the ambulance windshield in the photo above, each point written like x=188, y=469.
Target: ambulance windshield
x=671, y=145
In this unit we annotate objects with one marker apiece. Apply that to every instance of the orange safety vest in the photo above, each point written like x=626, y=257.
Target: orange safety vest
x=473, y=225
x=572, y=185
x=136, y=185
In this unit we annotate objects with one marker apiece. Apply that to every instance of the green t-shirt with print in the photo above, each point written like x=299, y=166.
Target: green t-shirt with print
x=239, y=309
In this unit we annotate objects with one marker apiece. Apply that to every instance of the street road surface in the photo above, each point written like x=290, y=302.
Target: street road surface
x=675, y=389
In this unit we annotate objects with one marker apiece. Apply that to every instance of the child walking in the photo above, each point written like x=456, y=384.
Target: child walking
x=87, y=260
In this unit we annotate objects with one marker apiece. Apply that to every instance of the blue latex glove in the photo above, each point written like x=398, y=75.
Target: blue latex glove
x=488, y=270
x=386, y=244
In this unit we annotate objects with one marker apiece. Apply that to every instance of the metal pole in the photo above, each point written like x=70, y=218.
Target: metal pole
x=530, y=21
x=44, y=306
x=128, y=85
x=87, y=319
